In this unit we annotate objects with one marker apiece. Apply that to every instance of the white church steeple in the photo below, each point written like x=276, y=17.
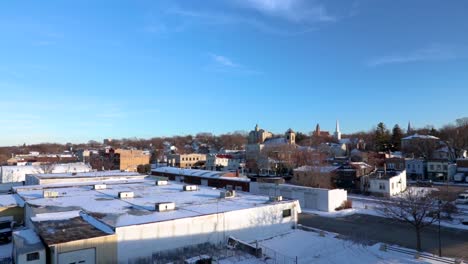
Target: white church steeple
x=337, y=131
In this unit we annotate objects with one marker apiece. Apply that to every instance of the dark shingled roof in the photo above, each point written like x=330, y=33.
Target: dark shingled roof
x=62, y=231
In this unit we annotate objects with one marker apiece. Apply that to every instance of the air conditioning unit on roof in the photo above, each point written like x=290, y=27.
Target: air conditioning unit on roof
x=123, y=195
x=99, y=187
x=164, y=207
x=189, y=188
x=278, y=198
x=160, y=183
x=227, y=194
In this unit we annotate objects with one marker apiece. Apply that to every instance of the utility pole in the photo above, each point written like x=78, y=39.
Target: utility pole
x=438, y=214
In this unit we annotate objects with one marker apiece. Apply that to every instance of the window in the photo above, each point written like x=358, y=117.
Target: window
x=32, y=256
x=445, y=167
x=432, y=167
x=381, y=186
x=286, y=213
x=393, y=185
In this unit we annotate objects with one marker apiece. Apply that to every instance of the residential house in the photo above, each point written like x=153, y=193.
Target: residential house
x=222, y=162
x=441, y=170
x=348, y=176
x=386, y=183
x=416, y=168
x=192, y=160
x=395, y=163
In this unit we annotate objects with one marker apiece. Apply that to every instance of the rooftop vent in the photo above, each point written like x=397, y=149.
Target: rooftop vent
x=189, y=188
x=123, y=195
x=50, y=194
x=99, y=187
x=278, y=198
x=160, y=183
x=227, y=194
x=164, y=207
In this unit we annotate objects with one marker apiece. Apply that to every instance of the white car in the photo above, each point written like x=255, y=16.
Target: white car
x=462, y=198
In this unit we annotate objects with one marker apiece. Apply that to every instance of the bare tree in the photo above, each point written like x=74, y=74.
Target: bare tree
x=417, y=208
x=47, y=168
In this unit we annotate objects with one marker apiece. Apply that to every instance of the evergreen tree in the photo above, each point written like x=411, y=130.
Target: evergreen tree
x=382, y=137
x=397, y=135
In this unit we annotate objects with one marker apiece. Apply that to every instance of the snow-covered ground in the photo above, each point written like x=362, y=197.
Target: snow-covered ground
x=310, y=247
x=367, y=205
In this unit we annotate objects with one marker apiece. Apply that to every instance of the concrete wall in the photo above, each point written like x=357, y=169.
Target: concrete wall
x=309, y=198
x=17, y=213
x=140, y=243
x=106, y=248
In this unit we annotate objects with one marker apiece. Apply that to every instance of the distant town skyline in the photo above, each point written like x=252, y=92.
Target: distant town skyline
x=87, y=70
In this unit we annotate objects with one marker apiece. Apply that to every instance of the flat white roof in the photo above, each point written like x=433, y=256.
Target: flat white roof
x=10, y=200
x=198, y=173
x=108, y=208
x=92, y=174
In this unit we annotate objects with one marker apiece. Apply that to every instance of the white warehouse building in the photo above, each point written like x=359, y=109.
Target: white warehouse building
x=18, y=173
x=139, y=221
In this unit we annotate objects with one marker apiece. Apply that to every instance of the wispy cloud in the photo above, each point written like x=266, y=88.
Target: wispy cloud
x=223, y=64
x=432, y=53
x=223, y=61
x=296, y=11
x=281, y=17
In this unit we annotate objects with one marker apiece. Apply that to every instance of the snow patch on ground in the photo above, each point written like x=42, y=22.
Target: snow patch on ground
x=310, y=247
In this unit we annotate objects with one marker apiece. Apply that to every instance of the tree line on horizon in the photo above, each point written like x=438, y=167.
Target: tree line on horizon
x=379, y=138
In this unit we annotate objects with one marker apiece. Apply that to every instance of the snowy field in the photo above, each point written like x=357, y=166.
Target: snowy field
x=310, y=247
x=367, y=205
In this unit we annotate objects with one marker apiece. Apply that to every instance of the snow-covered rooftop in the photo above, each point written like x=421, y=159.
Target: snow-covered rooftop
x=117, y=212
x=197, y=173
x=417, y=136
x=321, y=169
x=10, y=200
x=93, y=174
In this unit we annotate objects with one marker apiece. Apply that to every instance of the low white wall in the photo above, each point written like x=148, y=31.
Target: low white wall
x=309, y=198
x=141, y=242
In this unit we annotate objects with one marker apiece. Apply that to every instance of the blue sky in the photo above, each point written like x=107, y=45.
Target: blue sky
x=71, y=71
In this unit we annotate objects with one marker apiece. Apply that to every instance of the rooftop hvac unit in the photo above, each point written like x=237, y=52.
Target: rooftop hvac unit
x=278, y=198
x=123, y=195
x=99, y=187
x=189, y=188
x=227, y=194
x=164, y=207
x=50, y=194
x=160, y=183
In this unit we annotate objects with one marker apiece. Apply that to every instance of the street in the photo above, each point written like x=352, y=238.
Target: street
x=371, y=229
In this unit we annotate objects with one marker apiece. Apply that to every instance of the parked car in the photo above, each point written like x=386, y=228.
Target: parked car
x=424, y=183
x=462, y=198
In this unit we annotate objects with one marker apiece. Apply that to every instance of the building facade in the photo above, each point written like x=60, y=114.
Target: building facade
x=129, y=160
x=315, y=176
x=193, y=160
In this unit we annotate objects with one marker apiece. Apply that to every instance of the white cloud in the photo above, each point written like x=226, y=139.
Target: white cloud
x=224, y=61
x=297, y=11
x=431, y=53
x=282, y=17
